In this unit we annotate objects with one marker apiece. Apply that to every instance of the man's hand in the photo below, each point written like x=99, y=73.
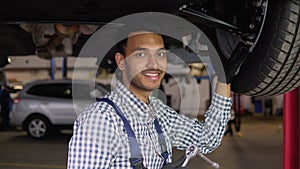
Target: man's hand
x=176, y=164
x=231, y=66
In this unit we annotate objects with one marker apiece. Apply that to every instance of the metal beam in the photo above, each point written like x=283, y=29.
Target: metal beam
x=291, y=129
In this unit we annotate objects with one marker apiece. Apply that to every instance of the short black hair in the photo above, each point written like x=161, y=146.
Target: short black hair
x=121, y=45
x=121, y=39
x=139, y=25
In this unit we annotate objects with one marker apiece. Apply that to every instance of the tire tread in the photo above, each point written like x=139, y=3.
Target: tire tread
x=285, y=77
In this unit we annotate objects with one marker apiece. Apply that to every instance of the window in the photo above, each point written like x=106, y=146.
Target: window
x=82, y=91
x=64, y=90
x=59, y=90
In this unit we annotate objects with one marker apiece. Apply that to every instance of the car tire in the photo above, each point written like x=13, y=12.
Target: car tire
x=38, y=127
x=273, y=66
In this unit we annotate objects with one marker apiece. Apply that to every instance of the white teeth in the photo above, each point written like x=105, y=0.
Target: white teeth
x=152, y=74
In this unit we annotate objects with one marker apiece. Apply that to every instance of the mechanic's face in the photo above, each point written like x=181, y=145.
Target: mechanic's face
x=144, y=63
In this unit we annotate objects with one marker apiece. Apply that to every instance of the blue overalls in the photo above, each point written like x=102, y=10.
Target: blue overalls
x=136, y=158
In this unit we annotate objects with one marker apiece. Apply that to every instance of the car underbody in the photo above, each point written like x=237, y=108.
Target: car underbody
x=61, y=28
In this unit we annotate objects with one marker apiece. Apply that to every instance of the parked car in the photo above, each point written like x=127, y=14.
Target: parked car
x=46, y=105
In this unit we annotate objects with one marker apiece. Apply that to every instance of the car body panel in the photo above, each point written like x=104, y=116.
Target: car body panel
x=59, y=111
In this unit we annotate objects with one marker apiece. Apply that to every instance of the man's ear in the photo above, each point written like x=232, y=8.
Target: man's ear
x=120, y=61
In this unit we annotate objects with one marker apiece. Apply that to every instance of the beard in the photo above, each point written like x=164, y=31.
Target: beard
x=139, y=81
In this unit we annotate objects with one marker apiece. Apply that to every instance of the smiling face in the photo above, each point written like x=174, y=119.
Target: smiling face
x=144, y=64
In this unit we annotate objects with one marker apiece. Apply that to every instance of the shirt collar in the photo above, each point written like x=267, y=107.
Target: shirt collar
x=143, y=111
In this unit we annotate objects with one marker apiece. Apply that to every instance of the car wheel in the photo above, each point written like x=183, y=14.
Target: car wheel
x=272, y=67
x=38, y=127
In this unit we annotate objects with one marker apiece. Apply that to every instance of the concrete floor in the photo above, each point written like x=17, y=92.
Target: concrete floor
x=257, y=146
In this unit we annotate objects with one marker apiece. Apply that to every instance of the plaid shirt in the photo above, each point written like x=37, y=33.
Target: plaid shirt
x=100, y=140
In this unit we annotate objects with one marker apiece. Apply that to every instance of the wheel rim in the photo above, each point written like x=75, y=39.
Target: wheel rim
x=228, y=41
x=37, y=128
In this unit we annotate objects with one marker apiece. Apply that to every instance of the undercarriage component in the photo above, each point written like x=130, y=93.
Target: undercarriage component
x=56, y=40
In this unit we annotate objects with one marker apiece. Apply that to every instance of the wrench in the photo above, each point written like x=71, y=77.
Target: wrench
x=192, y=151
x=213, y=163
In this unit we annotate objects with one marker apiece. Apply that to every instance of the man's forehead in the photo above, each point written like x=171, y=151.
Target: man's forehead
x=144, y=34
x=134, y=33
x=144, y=40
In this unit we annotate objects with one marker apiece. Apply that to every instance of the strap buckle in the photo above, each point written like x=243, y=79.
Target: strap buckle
x=165, y=155
x=137, y=163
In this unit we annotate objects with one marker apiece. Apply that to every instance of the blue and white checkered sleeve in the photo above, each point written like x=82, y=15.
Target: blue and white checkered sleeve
x=217, y=116
x=94, y=142
x=206, y=134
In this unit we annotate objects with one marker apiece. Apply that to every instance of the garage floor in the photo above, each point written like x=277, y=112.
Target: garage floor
x=259, y=146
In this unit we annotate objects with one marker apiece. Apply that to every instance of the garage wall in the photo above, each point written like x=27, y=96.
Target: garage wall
x=27, y=68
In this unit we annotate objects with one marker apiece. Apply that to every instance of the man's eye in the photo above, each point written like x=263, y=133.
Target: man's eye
x=161, y=54
x=140, y=54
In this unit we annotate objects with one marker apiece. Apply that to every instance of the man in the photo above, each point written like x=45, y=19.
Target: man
x=5, y=100
x=101, y=138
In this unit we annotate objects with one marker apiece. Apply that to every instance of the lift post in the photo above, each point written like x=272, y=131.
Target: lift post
x=291, y=129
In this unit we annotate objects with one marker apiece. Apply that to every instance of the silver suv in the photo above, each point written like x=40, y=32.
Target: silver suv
x=47, y=105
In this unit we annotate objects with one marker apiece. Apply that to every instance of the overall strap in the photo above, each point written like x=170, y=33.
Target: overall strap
x=162, y=141
x=136, y=159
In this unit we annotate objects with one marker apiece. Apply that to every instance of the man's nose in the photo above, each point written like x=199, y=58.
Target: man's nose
x=153, y=61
